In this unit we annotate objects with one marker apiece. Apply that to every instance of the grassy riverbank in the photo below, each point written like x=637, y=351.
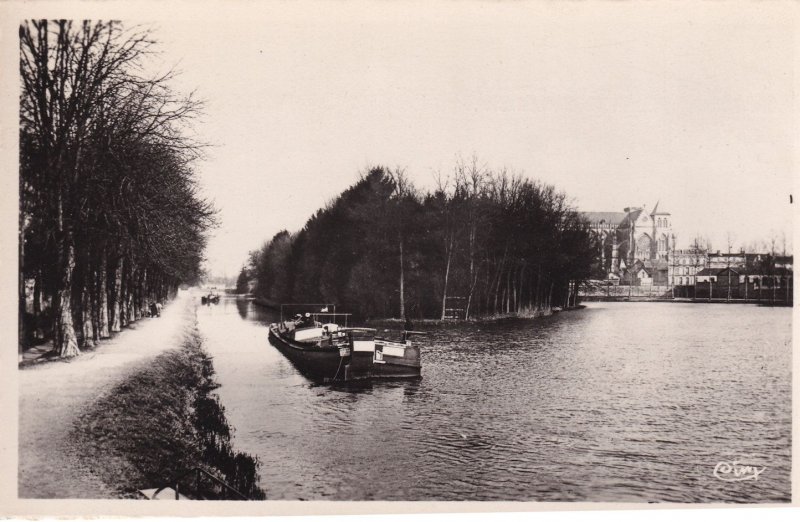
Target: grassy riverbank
x=161, y=421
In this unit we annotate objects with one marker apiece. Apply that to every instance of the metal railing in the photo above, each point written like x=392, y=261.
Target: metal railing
x=227, y=489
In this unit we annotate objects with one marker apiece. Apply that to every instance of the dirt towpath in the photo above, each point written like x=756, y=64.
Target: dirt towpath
x=52, y=395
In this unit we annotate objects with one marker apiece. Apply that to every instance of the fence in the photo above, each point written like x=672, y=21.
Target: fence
x=621, y=291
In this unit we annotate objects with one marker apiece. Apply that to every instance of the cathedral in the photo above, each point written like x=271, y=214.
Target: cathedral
x=634, y=244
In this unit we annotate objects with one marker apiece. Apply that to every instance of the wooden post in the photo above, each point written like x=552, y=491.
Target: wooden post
x=728, y=299
x=787, y=288
x=772, y=303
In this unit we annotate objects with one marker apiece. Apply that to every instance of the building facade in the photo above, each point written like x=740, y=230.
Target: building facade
x=684, y=265
x=746, y=283
x=631, y=241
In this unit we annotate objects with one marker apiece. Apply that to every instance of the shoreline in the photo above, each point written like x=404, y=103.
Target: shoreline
x=162, y=421
x=722, y=300
x=429, y=321
x=135, y=413
x=585, y=299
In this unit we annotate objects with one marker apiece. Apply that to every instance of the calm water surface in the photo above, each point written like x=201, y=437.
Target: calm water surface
x=616, y=402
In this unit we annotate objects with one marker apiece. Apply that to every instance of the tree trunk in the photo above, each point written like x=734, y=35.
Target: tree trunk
x=22, y=297
x=136, y=277
x=402, y=284
x=102, y=297
x=37, y=305
x=495, y=290
x=87, y=312
x=124, y=302
x=129, y=311
x=508, y=292
x=538, y=301
x=65, y=342
x=514, y=298
x=472, y=286
x=487, y=288
x=129, y=289
x=473, y=277
x=449, y=254
x=116, y=298
x=140, y=293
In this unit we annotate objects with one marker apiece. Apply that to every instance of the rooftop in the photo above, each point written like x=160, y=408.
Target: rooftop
x=632, y=216
x=612, y=218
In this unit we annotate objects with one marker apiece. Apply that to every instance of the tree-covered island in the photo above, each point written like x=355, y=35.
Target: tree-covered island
x=483, y=243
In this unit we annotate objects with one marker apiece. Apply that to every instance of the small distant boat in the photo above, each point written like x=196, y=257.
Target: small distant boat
x=329, y=352
x=209, y=299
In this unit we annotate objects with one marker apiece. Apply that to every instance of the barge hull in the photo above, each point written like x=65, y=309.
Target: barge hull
x=318, y=364
x=326, y=365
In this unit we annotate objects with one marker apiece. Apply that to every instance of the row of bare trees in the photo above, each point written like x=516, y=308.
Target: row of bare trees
x=508, y=244
x=482, y=243
x=110, y=217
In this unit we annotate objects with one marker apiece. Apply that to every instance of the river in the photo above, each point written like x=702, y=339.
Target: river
x=627, y=402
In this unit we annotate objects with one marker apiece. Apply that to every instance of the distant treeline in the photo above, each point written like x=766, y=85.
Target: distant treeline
x=109, y=214
x=483, y=243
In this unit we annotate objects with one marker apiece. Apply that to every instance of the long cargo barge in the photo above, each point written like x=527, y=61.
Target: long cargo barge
x=329, y=353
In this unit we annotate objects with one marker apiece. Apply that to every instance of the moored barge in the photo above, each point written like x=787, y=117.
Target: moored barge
x=329, y=352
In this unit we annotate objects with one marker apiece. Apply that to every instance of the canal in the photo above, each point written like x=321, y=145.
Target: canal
x=630, y=402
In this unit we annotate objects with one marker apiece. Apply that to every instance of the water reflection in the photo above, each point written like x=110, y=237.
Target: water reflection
x=244, y=306
x=617, y=402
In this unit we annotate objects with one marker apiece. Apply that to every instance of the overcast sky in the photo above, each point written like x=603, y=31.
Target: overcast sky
x=616, y=104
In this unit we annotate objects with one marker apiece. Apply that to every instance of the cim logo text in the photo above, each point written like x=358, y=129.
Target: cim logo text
x=737, y=471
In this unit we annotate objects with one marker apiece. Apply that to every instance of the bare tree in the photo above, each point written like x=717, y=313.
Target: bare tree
x=403, y=191
x=66, y=73
x=104, y=176
x=471, y=182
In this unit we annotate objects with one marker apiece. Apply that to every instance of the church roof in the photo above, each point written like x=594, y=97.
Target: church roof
x=659, y=212
x=632, y=216
x=613, y=218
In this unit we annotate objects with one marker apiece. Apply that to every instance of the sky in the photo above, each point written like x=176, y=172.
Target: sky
x=616, y=104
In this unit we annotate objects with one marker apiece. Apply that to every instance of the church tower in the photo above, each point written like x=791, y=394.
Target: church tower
x=662, y=231
x=614, y=254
